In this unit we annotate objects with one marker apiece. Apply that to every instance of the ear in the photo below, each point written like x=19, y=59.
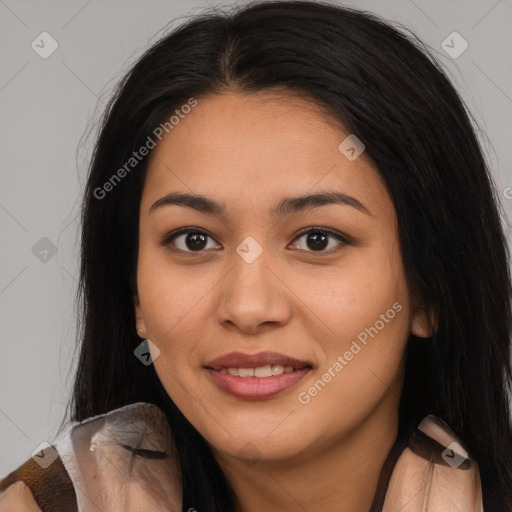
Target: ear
x=139, y=320
x=424, y=324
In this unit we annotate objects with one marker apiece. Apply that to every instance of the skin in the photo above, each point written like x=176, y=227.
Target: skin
x=249, y=152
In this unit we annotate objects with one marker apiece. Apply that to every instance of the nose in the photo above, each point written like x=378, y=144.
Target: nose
x=254, y=296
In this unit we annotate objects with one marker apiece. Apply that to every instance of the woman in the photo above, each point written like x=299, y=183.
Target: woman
x=294, y=282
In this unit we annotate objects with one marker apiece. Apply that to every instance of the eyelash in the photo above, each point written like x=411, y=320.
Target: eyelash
x=344, y=240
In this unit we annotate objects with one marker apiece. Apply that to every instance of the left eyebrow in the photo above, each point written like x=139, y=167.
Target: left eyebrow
x=284, y=207
x=307, y=202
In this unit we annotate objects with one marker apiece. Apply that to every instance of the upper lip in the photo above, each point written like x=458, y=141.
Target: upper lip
x=241, y=360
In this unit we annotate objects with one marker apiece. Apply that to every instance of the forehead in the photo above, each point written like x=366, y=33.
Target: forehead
x=258, y=148
x=234, y=123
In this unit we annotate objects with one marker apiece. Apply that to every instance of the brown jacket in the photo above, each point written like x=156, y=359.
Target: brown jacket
x=125, y=461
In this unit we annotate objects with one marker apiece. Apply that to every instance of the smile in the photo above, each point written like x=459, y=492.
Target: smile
x=256, y=376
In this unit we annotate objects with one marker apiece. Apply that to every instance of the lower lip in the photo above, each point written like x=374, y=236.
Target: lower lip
x=256, y=387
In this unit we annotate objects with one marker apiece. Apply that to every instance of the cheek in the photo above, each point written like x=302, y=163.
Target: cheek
x=169, y=295
x=352, y=295
x=177, y=309
x=166, y=304
x=364, y=307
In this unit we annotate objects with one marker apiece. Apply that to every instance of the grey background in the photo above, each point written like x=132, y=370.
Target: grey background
x=46, y=105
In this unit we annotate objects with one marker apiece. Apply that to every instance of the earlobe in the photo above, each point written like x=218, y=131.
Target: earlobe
x=139, y=320
x=424, y=325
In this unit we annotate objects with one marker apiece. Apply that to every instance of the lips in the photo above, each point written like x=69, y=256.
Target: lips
x=277, y=373
x=241, y=360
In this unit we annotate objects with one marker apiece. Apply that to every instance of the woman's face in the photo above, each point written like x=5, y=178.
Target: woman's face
x=244, y=278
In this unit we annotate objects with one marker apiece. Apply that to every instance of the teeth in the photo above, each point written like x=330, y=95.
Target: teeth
x=260, y=372
x=246, y=372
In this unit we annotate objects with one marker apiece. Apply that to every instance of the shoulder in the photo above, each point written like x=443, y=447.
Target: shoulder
x=18, y=498
x=117, y=460
x=434, y=467
x=34, y=486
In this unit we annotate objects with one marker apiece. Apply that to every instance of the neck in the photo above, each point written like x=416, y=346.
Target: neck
x=340, y=475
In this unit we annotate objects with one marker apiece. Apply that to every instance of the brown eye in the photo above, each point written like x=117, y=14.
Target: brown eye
x=195, y=241
x=187, y=240
x=317, y=240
